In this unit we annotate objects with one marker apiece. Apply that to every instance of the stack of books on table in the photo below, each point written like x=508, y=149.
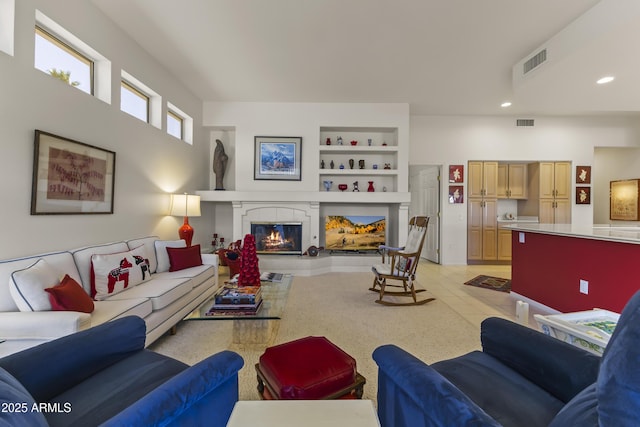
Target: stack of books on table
x=237, y=301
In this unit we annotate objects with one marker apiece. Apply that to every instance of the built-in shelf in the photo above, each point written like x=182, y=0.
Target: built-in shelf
x=358, y=172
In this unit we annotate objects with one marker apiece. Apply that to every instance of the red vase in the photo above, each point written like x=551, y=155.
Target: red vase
x=371, y=189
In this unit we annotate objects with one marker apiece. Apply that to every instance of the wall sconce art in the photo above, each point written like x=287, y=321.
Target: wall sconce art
x=583, y=195
x=623, y=203
x=456, y=194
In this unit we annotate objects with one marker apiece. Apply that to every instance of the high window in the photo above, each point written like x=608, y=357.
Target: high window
x=58, y=59
x=179, y=124
x=175, y=125
x=133, y=101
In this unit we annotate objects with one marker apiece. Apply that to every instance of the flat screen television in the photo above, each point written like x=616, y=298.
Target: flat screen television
x=354, y=232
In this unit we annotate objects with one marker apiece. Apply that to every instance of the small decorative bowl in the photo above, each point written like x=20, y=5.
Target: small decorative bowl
x=354, y=142
x=342, y=187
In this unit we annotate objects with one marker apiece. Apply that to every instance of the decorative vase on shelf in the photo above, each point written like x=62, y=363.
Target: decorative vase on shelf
x=328, y=142
x=369, y=142
x=361, y=164
x=341, y=166
x=354, y=142
x=342, y=187
x=371, y=189
x=351, y=163
x=327, y=185
x=339, y=140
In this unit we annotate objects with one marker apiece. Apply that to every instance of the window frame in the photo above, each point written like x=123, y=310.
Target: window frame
x=60, y=43
x=141, y=94
x=180, y=119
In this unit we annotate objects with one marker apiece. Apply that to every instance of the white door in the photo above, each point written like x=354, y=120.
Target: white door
x=425, y=200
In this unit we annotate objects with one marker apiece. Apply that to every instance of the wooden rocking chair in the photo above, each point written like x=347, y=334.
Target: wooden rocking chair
x=400, y=264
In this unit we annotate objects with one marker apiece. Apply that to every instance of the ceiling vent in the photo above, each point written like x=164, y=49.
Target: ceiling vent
x=535, y=61
x=524, y=122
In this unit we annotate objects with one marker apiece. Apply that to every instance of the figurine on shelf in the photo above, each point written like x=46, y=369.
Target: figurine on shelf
x=371, y=189
x=355, y=186
x=369, y=142
x=339, y=140
x=328, y=142
x=327, y=185
x=332, y=165
x=321, y=164
x=387, y=165
x=361, y=164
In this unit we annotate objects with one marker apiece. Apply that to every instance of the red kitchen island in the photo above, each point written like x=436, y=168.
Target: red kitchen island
x=555, y=264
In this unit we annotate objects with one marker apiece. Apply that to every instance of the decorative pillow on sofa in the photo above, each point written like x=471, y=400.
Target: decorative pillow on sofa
x=113, y=273
x=69, y=296
x=181, y=258
x=27, y=286
x=161, y=252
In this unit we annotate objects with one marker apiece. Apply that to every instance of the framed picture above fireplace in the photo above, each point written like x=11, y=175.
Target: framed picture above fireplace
x=277, y=158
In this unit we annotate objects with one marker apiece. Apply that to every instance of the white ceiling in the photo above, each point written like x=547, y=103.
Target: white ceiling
x=439, y=56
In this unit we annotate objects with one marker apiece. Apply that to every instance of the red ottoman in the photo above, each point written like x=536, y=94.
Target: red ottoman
x=309, y=368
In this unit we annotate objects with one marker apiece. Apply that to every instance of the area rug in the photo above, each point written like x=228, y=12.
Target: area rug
x=490, y=282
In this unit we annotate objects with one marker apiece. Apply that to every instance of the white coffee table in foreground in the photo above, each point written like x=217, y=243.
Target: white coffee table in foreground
x=308, y=413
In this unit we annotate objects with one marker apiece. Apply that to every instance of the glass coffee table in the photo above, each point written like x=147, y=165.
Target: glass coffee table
x=274, y=299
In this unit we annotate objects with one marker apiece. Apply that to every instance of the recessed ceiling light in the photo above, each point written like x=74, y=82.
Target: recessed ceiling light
x=605, y=80
x=505, y=104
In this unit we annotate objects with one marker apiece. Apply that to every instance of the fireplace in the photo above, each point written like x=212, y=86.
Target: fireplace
x=282, y=238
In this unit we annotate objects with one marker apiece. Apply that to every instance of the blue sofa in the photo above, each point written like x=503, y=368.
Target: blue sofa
x=520, y=378
x=105, y=376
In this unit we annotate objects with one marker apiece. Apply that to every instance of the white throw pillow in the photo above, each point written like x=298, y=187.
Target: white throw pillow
x=163, y=256
x=113, y=273
x=27, y=286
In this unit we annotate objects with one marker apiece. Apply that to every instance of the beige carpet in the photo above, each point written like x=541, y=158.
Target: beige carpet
x=340, y=307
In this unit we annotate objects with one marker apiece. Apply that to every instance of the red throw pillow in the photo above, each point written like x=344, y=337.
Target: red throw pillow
x=69, y=296
x=181, y=258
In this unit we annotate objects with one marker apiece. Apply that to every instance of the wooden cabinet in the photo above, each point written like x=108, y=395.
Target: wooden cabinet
x=512, y=181
x=549, y=193
x=504, y=245
x=482, y=226
x=483, y=179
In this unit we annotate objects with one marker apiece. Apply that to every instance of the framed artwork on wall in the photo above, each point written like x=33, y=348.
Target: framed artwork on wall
x=583, y=195
x=623, y=204
x=456, y=194
x=277, y=158
x=71, y=177
x=583, y=174
x=456, y=173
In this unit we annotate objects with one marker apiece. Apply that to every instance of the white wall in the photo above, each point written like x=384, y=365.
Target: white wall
x=149, y=163
x=445, y=140
x=249, y=119
x=612, y=164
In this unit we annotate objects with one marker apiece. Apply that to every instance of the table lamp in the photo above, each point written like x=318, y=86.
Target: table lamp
x=185, y=205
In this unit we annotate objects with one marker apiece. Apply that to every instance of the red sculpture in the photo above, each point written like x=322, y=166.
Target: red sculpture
x=249, y=269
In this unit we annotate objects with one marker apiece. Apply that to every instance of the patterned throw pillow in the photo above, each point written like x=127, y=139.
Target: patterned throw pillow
x=69, y=296
x=113, y=273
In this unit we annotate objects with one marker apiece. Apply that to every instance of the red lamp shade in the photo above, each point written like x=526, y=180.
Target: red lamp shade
x=185, y=205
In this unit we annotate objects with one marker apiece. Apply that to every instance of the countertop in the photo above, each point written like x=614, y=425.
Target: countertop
x=612, y=233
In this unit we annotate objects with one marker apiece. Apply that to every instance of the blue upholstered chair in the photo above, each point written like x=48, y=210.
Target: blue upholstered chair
x=104, y=376
x=520, y=378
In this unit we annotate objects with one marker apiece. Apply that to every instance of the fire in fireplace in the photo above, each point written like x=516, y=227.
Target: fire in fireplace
x=282, y=238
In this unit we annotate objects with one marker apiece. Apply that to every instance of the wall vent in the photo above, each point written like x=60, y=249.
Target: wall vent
x=535, y=61
x=524, y=122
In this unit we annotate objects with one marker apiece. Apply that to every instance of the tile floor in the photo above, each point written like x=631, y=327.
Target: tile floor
x=474, y=304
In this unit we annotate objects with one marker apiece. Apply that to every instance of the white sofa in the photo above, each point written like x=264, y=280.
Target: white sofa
x=162, y=301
